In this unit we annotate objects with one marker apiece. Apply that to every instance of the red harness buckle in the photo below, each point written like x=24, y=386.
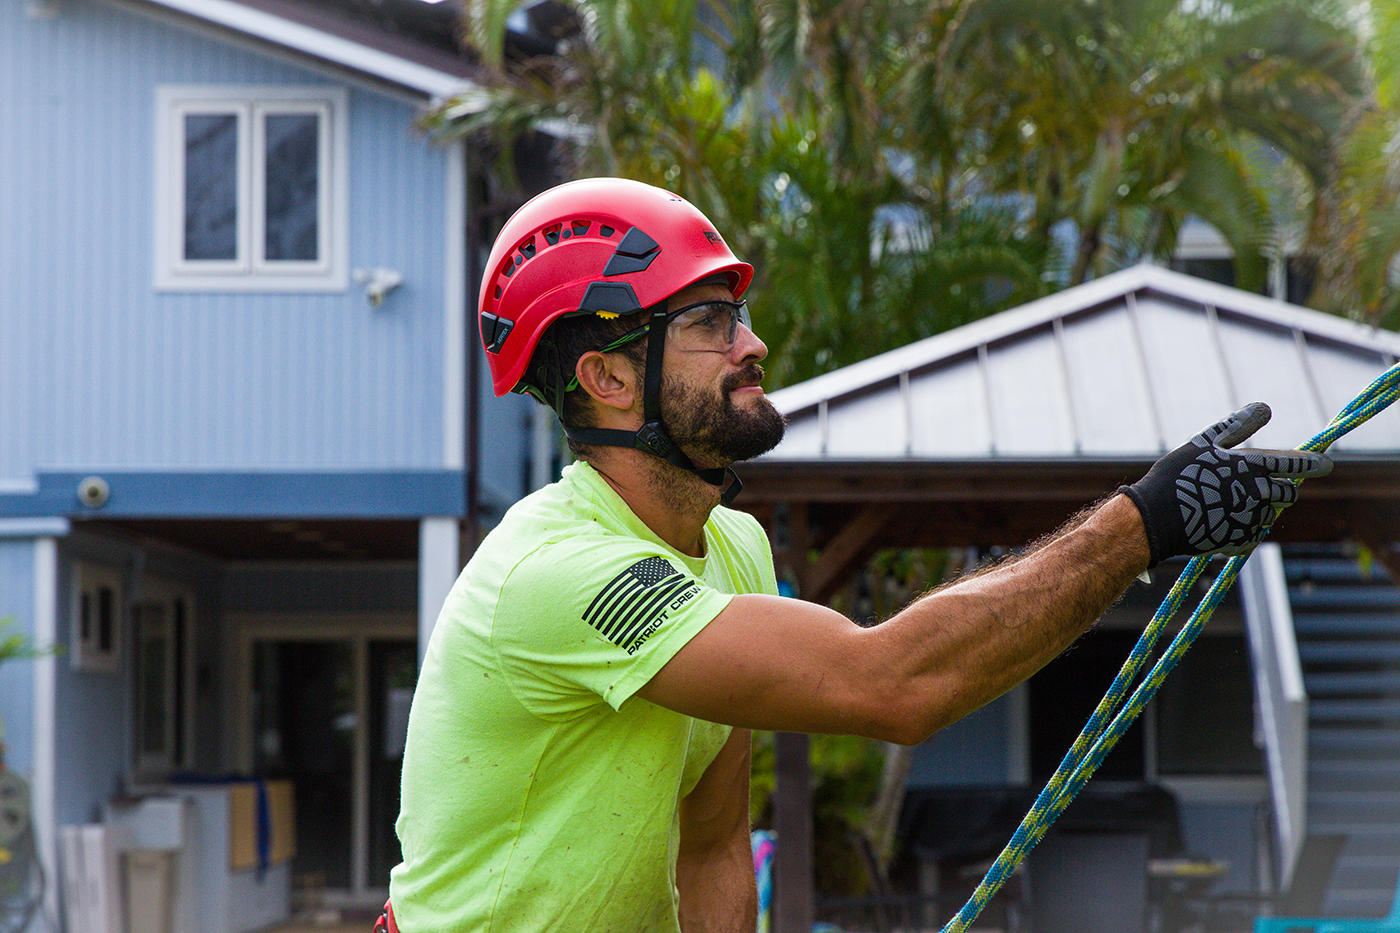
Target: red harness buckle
x=385, y=923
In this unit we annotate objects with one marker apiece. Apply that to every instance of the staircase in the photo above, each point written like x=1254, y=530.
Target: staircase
x=1348, y=624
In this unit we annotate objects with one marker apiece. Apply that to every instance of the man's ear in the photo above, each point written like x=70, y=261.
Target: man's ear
x=610, y=378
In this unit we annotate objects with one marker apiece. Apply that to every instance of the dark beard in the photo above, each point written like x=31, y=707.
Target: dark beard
x=712, y=429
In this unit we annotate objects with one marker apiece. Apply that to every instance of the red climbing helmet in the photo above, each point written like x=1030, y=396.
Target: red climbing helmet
x=606, y=246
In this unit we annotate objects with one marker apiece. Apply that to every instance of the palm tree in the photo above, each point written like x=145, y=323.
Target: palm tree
x=1115, y=120
x=1356, y=236
x=780, y=119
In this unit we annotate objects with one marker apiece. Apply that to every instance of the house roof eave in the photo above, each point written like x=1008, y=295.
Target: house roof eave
x=423, y=73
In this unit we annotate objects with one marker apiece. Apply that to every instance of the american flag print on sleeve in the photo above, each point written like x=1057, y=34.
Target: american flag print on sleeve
x=638, y=601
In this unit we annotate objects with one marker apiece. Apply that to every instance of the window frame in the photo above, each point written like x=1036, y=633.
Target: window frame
x=88, y=653
x=177, y=630
x=250, y=270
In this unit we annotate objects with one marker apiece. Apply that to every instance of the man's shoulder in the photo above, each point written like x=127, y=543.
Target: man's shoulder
x=739, y=531
x=736, y=521
x=554, y=551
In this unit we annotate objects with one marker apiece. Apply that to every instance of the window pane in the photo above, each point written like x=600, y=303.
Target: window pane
x=211, y=186
x=177, y=650
x=106, y=620
x=1205, y=712
x=1066, y=691
x=152, y=663
x=292, y=166
x=1212, y=270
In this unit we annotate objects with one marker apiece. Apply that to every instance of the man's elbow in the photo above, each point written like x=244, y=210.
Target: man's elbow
x=904, y=719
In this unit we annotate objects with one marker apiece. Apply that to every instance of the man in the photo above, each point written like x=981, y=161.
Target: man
x=578, y=748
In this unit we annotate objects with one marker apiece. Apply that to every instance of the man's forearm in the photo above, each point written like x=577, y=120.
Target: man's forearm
x=964, y=645
x=714, y=863
x=717, y=890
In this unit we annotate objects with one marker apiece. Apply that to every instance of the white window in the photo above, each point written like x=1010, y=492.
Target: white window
x=162, y=622
x=251, y=188
x=96, y=636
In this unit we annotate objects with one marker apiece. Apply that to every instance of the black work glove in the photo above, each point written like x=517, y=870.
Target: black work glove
x=1205, y=499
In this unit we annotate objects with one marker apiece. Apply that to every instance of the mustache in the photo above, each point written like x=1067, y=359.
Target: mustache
x=751, y=374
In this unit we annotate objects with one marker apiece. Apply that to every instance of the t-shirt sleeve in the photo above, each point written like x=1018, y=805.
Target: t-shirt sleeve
x=584, y=619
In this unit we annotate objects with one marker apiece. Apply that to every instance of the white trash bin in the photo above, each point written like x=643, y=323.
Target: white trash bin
x=148, y=890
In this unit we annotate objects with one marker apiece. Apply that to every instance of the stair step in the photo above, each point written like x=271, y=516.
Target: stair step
x=1378, y=779
x=1353, y=683
x=1377, y=840
x=1369, y=903
x=1367, y=872
x=1326, y=740
x=1353, y=766
x=1377, y=652
x=1328, y=567
x=1352, y=808
x=1356, y=710
x=1365, y=836
x=1358, y=597
x=1354, y=624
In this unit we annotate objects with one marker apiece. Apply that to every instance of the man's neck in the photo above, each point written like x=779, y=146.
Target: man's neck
x=672, y=502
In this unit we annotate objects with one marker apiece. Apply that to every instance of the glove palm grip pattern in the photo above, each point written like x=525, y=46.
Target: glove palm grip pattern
x=1205, y=498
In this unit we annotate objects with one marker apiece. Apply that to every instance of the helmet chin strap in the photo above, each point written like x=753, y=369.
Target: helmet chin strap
x=652, y=436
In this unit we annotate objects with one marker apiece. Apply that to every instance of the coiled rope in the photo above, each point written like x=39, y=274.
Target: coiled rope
x=1105, y=726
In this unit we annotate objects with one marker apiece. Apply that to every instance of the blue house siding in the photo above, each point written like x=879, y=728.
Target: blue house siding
x=91, y=732
x=99, y=370
x=211, y=409
x=17, y=677
x=977, y=749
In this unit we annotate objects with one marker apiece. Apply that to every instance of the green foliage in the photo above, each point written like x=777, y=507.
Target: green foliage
x=897, y=168
x=15, y=646
x=784, y=121
x=1355, y=236
x=845, y=777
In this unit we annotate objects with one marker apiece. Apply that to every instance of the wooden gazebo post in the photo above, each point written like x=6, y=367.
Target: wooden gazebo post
x=793, y=903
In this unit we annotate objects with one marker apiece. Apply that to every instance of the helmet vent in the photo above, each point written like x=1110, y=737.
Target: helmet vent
x=633, y=254
x=494, y=331
x=610, y=298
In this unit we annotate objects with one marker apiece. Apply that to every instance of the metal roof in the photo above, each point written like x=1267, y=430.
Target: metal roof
x=336, y=40
x=1124, y=367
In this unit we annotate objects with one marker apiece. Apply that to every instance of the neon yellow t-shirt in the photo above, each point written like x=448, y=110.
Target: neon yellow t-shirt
x=538, y=792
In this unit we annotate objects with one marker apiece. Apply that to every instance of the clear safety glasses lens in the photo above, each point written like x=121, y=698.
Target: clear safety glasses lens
x=707, y=325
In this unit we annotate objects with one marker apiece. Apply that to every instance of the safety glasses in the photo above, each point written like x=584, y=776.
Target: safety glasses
x=706, y=326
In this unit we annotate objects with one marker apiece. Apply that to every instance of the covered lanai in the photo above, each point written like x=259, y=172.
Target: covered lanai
x=994, y=433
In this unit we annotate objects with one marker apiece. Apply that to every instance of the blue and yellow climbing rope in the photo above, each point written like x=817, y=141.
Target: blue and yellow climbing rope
x=1112, y=717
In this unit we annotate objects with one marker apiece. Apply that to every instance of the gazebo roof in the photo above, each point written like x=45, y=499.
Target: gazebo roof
x=1127, y=366
x=995, y=432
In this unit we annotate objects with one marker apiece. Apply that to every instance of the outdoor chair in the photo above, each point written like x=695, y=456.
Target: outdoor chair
x=1236, y=911
x=1390, y=923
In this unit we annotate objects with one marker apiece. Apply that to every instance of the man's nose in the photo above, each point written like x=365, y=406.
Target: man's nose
x=747, y=344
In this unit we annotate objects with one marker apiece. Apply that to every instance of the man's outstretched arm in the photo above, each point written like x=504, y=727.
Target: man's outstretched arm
x=714, y=868
x=772, y=663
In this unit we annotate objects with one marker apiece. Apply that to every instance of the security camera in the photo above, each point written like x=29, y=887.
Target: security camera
x=93, y=492
x=378, y=283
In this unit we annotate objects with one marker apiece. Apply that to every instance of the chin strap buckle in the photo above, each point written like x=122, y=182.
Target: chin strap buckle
x=731, y=491
x=652, y=438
